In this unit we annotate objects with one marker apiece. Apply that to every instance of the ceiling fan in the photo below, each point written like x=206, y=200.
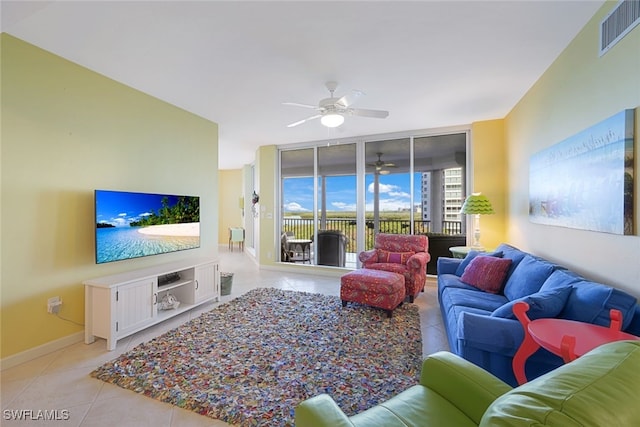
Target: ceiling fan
x=332, y=110
x=380, y=165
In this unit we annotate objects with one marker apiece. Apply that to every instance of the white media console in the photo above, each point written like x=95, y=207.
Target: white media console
x=122, y=304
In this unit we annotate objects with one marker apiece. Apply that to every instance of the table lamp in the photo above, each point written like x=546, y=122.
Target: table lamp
x=477, y=204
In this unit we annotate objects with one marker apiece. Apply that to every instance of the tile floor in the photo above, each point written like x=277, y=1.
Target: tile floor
x=60, y=380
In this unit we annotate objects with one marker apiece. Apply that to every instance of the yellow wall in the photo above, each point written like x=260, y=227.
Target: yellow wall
x=230, y=192
x=266, y=188
x=488, y=158
x=65, y=132
x=579, y=90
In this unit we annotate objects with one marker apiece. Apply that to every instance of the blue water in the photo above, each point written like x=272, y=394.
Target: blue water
x=114, y=244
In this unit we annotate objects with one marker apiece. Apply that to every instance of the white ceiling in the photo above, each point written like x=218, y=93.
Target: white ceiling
x=429, y=63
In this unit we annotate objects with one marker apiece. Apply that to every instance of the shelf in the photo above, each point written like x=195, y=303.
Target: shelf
x=167, y=314
x=174, y=285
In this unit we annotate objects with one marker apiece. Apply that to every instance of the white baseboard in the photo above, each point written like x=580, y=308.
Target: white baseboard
x=41, y=350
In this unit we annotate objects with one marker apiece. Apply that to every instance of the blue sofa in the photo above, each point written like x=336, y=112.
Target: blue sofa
x=481, y=327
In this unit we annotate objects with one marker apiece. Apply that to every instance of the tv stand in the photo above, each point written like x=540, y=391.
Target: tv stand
x=120, y=305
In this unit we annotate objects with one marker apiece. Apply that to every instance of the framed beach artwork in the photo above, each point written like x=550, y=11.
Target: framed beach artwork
x=586, y=181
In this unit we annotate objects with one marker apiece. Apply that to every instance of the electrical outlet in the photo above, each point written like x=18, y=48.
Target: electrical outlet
x=53, y=305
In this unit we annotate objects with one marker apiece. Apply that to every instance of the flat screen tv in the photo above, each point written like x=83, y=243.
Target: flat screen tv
x=132, y=225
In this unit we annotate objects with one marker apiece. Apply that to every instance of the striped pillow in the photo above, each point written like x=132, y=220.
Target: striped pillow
x=394, y=257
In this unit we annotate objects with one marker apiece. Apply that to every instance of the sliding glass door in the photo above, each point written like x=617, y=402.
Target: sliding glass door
x=439, y=165
x=388, y=202
x=411, y=184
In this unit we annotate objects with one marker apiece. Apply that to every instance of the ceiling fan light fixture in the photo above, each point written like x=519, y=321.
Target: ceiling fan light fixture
x=332, y=120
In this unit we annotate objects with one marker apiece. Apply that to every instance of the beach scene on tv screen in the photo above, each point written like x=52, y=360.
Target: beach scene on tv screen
x=132, y=225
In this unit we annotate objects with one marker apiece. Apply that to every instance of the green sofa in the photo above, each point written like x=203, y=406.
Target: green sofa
x=600, y=388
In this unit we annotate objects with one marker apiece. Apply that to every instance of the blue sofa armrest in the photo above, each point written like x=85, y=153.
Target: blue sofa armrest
x=491, y=334
x=448, y=265
x=634, y=326
x=494, y=350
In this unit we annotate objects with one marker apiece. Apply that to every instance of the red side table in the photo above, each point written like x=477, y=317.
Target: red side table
x=568, y=339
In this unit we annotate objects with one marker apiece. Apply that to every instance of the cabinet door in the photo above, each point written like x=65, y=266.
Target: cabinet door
x=206, y=282
x=134, y=306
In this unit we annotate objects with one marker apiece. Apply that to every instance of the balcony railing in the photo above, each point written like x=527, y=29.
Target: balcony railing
x=304, y=228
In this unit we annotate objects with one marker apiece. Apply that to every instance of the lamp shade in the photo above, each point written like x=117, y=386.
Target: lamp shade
x=332, y=120
x=477, y=204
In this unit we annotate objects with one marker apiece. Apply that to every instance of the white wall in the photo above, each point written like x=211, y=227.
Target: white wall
x=579, y=90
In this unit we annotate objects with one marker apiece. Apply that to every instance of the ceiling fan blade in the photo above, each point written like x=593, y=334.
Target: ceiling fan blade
x=295, y=104
x=377, y=114
x=299, y=122
x=349, y=98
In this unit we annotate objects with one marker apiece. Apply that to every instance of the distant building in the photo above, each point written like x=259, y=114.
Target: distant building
x=426, y=196
x=451, y=194
x=452, y=189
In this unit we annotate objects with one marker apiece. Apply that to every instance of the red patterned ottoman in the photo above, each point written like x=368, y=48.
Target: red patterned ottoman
x=377, y=288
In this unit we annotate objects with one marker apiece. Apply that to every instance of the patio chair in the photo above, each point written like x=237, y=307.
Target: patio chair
x=286, y=254
x=288, y=251
x=331, y=248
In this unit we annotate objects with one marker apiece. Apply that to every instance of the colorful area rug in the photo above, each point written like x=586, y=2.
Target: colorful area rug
x=250, y=361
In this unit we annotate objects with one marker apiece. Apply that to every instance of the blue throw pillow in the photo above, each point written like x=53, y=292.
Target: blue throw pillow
x=528, y=277
x=547, y=303
x=470, y=256
x=560, y=278
x=513, y=253
x=591, y=302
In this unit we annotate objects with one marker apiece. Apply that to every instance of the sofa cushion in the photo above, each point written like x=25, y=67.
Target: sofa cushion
x=452, y=281
x=560, y=278
x=474, y=298
x=402, y=242
x=470, y=256
x=389, y=266
x=513, y=253
x=486, y=273
x=591, y=302
x=453, y=314
x=394, y=257
x=547, y=303
x=528, y=277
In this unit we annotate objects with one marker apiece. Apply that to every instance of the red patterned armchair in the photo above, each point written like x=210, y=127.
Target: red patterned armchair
x=400, y=253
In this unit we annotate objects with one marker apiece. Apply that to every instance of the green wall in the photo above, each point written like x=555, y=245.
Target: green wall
x=65, y=132
x=578, y=90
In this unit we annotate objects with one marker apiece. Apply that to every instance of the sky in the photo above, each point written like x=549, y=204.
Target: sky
x=119, y=208
x=395, y=193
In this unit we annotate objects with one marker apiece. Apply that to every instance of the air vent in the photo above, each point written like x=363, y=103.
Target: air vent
x=617, y=24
